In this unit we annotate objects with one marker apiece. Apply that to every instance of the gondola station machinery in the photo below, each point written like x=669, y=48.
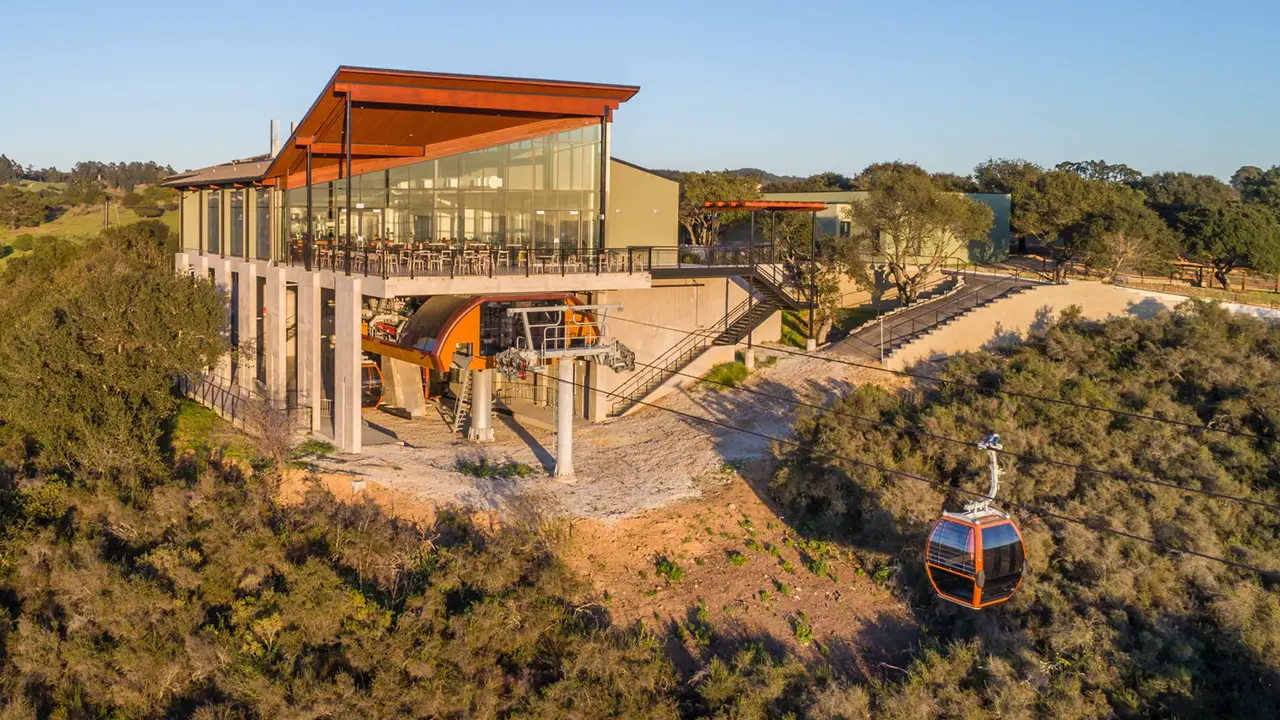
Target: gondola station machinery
x=565, y=333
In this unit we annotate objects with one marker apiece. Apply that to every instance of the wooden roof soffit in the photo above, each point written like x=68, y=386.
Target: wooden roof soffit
x=490, y=100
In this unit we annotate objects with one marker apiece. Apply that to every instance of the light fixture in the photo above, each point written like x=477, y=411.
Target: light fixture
x=573, y=212
x=539, y=212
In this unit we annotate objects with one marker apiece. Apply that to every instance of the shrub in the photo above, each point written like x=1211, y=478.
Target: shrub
x=668, y=568
x=801, y=628
x=23, y=242
x=484, y=468
x=726, y=375
x=736, y=558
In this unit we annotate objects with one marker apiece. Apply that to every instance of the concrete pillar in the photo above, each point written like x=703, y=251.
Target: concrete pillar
x=810, y=345
x=564, y=418
x=749, y=358
x=402, y=386
x=246, y=311
x=598, y=400
x=481, y=429
x=274, y=335
x=346, y=363
x=222, y=276
x=310, y=390
x=182, y=263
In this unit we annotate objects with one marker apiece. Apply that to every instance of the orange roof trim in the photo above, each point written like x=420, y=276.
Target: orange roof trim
x=401, y=116
x=769, y=205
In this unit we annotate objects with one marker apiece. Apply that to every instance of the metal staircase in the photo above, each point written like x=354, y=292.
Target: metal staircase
x=771, y=290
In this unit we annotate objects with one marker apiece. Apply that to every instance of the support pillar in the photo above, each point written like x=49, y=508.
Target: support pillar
x=564, y=418
x=310, y=389
x=275, y=334
x=346, y=363
x=481, y=429
x=246, y=311
x=402, y=386
x=749, y=358
x=182, y=263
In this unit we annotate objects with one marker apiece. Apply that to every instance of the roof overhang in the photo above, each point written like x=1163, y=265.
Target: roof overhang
x=399, y=117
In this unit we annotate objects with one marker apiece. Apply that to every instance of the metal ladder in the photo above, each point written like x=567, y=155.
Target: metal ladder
x=463, y=401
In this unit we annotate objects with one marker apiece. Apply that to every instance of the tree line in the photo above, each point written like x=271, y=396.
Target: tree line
x=1095, y=214
x=123, y=176
x=140, y=581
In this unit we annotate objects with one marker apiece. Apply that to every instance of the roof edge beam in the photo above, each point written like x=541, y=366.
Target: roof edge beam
x=476, y=99
x=368, y=150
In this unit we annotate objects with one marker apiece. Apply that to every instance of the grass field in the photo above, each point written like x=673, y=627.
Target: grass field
x=79, y=223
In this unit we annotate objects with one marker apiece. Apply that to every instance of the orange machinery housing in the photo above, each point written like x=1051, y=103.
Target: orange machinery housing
x=476, y=325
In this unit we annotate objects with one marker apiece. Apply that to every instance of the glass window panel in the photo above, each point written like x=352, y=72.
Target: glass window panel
x=956, y=587
x=237, y=223
x=1002, y=561
x=951, y=546
x=213, y=218
x=263, y=222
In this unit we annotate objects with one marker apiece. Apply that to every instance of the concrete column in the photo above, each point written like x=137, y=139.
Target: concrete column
x=274, y=335
x=182, y=263
x=810, y=345
x=246, y=311
x=309, y=387
x=564, y=418
x=749, y=358
x=402, y=386
x=481, y=429
x=222, y=276
x=346, y=363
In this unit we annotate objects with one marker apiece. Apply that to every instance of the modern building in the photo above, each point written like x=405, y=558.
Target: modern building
x=429, y=229
x=834, y=220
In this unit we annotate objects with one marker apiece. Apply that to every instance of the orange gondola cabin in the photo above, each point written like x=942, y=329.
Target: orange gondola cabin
x=975, y=558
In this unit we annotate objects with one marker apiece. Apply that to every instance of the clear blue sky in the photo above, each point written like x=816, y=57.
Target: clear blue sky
x=791, y=87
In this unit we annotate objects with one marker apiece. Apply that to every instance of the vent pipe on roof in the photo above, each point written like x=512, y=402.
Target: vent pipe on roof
x=275, y=138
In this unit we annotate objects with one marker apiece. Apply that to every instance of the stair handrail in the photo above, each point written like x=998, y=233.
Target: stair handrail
x=663, y=364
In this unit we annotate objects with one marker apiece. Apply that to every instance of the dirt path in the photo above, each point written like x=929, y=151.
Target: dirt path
x=625, y=466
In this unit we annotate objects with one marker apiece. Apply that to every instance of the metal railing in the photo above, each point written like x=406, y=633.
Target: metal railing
x=412, y=261
x=914, y=322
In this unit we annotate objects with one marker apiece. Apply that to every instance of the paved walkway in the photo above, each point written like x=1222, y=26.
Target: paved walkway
x=866, y=343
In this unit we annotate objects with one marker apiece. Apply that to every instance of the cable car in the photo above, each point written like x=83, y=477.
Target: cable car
x=976, y=558
x=370, y=384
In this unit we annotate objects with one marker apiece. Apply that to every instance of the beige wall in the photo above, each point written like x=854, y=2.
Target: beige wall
x=643, y=208
x=684, y=305
x=1009, y=319
x=190, y=228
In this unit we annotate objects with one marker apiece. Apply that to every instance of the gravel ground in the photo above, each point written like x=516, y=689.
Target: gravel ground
x=625, y=466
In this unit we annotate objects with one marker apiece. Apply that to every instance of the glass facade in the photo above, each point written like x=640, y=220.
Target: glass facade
x=237, y=229
x=213, y=213
x=542, y=193
x=263, y=208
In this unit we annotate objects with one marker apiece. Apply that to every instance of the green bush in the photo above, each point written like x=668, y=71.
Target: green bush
x=1126, y=628
x=668, y=568
x=726, y=375
x=484, y=468
x=23, y=242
